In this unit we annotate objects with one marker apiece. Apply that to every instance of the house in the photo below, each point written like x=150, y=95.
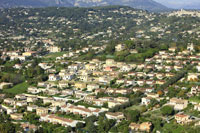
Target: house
x=17, y=66
x=126, y=68
x=140, y=82
x=146, y=126
x=67, y=92
x=182, y=118
x=169, y=75
x=5, y=85
x=197, y=107
x=45, y=66
x=150, y=82
x=130, y=82
x=160, y=75
x=110, y=62
x=42, y=111
x=42, y=84
x=59, y=120
x=29, y=53
x=47, y=100
x=112, y=104
x=162, y=52
x=63, y=84
x=110, y=68
x=20, y=97
x=140, y=66
x=29, y=127
x=105, y=79
x=179, y=104
x=120, y=47
x=80, y=85
x=53, y=91
x=178, y=67
x=92, y=87
x=134, y=126
x=16, y=116
x=122, y=99
x=68, y=76
x=153, y=95
x=146, y=100
x=85, y=112
x=160, y=82
x=90, y=67
x=74, y=67
x=21, y=103
x=193, y=76
x=99, y=91
x=198, y=68
x=9, y=53
x=2, y=96
x=172, y=49
x=53, y=77
x=123, y=91
x=190, y=47
x=81, y=94
x=58, y=103
x=9, y=110
x=31, y=108
x=81, y=110
x=106, y=99
x=84, y=78
x=9, y=101
x=120, y=81
x=89, y=99
x=115, y=116
x=143, y=127
x=195, y=90
x=54, y=49
x=31, y=99
x=33, y=90
x=98, y=102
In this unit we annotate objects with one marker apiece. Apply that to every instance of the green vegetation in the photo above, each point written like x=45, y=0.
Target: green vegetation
x=18, y=89
x=195, y=99
x=167, y=110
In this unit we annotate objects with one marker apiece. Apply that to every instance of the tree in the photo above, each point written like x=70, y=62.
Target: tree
x=167, y=110
x=80, y=125
x=91, y=128
x=133, y=115
x=160, y=93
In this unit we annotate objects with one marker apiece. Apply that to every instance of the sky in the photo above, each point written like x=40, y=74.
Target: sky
x=180, y=3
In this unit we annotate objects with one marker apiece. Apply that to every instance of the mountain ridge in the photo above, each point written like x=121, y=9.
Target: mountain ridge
x=149, y=5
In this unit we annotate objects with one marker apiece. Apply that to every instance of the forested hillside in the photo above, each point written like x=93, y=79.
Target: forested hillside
x=92, y=26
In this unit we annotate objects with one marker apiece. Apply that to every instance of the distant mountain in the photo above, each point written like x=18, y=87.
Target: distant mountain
x=33, y=3
x=150, y=5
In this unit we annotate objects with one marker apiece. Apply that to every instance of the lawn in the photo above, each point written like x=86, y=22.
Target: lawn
x=194, y=99
x=136, y=107
x=18, y=89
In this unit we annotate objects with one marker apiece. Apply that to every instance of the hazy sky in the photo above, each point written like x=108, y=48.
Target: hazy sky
x=179, y=3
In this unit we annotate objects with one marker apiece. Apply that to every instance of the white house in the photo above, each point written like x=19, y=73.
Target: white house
x=146, y=100
x=115, y=116
x=92, y=87
x=53, y=77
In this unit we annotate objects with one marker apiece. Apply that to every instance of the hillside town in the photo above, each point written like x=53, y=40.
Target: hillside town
x=134, y=84
x=92, y=88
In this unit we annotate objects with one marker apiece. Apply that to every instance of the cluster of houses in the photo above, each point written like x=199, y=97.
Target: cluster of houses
x=83, y=81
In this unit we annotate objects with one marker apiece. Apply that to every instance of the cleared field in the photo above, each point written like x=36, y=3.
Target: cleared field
x=54, y=55
x=18, y=89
